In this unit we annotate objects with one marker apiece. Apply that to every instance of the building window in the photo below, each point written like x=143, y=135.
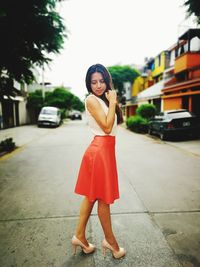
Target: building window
x=159, y=60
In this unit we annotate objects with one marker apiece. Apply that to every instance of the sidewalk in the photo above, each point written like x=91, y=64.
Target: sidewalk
x=190, y=146
x=23, y=135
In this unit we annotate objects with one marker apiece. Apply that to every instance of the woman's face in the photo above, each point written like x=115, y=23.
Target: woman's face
x=98, y=84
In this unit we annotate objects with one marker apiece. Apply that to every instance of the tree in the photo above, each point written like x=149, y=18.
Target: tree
x=30, y=31
x=121, y=74
x=193, y=8
x=35, y=102
x=77, y=104
x=60, y=97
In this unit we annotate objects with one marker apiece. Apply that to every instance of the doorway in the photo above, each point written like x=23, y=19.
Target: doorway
x=196, y=105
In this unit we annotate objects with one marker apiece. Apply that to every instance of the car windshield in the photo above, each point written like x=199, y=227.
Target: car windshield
x=76, y=112
x=174, y=115
x=49, y=112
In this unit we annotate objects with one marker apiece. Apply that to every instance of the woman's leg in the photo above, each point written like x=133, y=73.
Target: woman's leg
x=85, y=211
x=105, y=219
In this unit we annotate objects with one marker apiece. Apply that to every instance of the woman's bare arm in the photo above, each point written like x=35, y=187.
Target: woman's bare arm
x=95, y=109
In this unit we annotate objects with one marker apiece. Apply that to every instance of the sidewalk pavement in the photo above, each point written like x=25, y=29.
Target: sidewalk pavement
x=191, y=146
x=22, y=135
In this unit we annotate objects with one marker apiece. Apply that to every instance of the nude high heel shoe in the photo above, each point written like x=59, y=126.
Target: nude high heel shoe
x=116, y=254
x=76, y=242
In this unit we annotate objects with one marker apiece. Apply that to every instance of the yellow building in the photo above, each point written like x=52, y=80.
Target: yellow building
x=161, y=62
x=152, y=74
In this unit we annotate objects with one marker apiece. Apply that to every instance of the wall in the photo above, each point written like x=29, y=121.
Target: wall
x=172, y=58
x=159, y=65
x=172, y=103
x=128, y=90
x=23, y=113
x=131, y=110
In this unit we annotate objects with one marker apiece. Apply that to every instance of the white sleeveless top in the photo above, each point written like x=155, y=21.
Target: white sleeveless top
x=94, y=126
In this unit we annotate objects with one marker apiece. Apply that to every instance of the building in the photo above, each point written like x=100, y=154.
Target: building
x=147, y=87
x=183, y=89
x=13, y=104
x=171, y=80
x=13, y=107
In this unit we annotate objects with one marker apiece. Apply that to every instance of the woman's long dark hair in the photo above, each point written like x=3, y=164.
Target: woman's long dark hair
x=109, y=85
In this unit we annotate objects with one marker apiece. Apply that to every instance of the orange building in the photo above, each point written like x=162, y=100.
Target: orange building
x=183, y=90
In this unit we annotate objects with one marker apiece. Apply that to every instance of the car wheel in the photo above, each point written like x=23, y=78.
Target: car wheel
x=150, y=131
x=163, y=136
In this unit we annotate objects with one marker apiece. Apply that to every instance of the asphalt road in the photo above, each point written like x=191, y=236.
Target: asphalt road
x=156, y=219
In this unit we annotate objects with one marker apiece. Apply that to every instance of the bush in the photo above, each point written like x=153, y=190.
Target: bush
x=7, y=145
x=146, y=111
x=137, y=124
x=63, y=113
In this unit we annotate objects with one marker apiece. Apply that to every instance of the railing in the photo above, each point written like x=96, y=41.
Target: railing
x=186, y=61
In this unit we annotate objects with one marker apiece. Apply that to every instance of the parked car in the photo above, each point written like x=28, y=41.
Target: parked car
x=49, y=116
x=75, y=115
x=173, y=123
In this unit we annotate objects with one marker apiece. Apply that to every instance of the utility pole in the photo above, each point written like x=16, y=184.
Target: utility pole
x=43, y=85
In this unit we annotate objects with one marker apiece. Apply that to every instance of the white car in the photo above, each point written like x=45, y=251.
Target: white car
x=49, y=116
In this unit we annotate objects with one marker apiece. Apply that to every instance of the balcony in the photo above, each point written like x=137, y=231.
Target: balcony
x=187, y=61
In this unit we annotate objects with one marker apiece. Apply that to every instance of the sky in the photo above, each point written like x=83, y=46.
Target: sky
x=113, y=32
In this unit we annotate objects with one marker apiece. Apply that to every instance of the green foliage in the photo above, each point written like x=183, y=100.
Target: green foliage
x=35, y=100
x=121, y=74
x=30, y=31
x=6, y=87
x=63, y=113
x=77, y=104
x=60, y=98
x=137, y=124
x=193, y=8
x=7, y=145
x=146, y=111
x=140, y=122
x=63, y=99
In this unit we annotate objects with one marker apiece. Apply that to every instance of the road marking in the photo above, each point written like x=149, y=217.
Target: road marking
x=184, y=150
x=22, y=147
x=10, y=154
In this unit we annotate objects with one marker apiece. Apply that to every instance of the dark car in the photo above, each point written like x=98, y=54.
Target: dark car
x=75, y=115
x=174, y=123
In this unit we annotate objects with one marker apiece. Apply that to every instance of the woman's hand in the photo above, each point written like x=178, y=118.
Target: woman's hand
x=111, y=95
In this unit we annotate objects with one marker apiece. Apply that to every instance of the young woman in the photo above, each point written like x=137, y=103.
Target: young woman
x=97, y=179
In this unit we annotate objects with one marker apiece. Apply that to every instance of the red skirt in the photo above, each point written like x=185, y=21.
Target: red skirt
x=97, y=178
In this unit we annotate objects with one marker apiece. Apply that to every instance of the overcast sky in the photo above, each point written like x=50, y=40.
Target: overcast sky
x=113, y=32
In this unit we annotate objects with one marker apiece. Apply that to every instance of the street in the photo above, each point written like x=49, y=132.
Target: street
x=156, y=219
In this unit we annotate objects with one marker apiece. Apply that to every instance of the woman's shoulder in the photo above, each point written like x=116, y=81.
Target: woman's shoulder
x=91, y=99
x=90, y=96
